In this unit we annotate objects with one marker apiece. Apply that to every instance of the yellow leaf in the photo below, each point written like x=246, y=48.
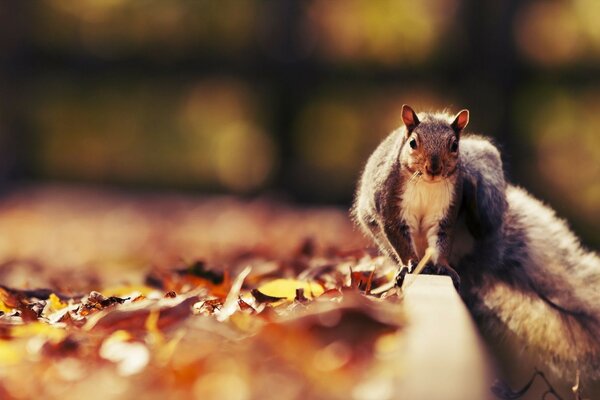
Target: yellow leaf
x=56, y=303
x=4, y=308
x=155, y=336
x=10, y=353
x=287, y=288
x=119, y=336
x=130, y=356
x=246, y=323
x=165, y=353
x=38, y=329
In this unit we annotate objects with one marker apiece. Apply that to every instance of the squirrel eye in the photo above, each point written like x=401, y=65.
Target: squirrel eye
x=413, y=144
x=454, y=146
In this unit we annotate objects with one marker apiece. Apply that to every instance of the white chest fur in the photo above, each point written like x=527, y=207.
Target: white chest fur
x=423, y=205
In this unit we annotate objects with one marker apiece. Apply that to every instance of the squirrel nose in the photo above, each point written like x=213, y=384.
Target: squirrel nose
x=434, y=167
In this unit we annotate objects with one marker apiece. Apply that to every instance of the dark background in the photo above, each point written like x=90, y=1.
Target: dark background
x=289, y=98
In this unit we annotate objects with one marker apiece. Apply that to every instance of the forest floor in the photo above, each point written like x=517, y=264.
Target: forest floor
x=108, y=295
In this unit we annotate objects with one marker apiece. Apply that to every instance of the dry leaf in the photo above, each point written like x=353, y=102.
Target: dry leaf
x=286, y=289
x=131, y=357
x=231, y=303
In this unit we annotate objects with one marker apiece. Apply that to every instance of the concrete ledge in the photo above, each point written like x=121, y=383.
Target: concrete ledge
x=444, y=355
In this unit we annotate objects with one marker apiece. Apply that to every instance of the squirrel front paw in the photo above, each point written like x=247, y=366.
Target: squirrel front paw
x=446, y=270
x=402, y=271
x=399, y=279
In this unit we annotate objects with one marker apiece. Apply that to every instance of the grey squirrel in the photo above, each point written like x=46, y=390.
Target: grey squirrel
x=522, y=272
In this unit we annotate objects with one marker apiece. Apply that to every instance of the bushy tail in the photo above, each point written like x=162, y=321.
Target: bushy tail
x=546, y=289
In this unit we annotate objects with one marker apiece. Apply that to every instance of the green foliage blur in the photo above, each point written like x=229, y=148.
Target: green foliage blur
x=288, y=97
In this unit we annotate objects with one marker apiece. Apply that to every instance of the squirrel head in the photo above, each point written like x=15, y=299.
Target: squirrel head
x=431, y=143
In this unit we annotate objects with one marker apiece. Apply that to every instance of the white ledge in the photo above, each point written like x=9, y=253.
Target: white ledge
x=444, y=356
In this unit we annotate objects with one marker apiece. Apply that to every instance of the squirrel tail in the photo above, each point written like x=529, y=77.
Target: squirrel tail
x=546, y=289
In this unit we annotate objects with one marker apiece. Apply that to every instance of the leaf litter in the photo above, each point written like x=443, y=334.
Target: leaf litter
x=306, y=323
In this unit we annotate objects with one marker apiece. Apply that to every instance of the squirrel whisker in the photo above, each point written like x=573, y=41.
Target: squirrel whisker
x=416, y=176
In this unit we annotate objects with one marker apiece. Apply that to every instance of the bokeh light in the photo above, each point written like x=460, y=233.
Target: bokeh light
x=290, y=98
x=562, y=128
x=207, y=136
x=117, y=28
x=559, y=33
x=384, y=32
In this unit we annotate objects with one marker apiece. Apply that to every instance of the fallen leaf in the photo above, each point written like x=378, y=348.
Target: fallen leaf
x=10, y=353
x=231, y=303
x=134, y=316
x=154, y=336
x=131, y=357
x=56, y=303
x=66, y=347
x=200, y=270
x=4, y=308
x=300, y=296
x=264, y=298
x=97, y=301
x=286, y=288
x=38, y=329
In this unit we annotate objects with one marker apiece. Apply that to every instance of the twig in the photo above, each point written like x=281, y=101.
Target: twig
x=504, y=392
x=420, y=266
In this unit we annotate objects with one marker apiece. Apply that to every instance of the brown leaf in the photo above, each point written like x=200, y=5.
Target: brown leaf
x=10, y=297
x=134, y=316
x=155, y=279
x=29, y=310
x=68, y=319
x=63, y=348
x=183, y=280
x=96, y=301
x=307, y=248
x=331, y=294
x=362, y=280
x=300, y=296
x=245, y=306
x=354, y=320
x=27, y=314
x=41, y=294
x=263, y=298
x=212, y=305
x=200, y=270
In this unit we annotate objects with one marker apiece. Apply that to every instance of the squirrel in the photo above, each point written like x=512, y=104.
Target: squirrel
x=409, y=195
x=518, y=267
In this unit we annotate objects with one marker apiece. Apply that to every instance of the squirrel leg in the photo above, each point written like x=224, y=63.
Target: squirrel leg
x=443, y=269
x=399, y=237
x=372, y=226
x=402, y=271
x=451, y=272
x=440, y=240
x=398, y=234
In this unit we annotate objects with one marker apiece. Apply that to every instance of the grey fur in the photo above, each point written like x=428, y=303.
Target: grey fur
x=523, y=272
x=376, y=208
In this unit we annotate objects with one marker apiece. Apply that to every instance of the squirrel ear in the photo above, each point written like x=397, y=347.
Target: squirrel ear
x=461, y=121
x=409, y=117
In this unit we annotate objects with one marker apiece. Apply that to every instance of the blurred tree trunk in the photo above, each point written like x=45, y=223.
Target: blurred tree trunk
x=493, y=63
x=14, y=138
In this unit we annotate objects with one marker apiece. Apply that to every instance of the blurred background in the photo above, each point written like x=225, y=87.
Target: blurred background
x=289, y=98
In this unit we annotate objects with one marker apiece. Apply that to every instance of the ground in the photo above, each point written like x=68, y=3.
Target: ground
x=110, y=295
